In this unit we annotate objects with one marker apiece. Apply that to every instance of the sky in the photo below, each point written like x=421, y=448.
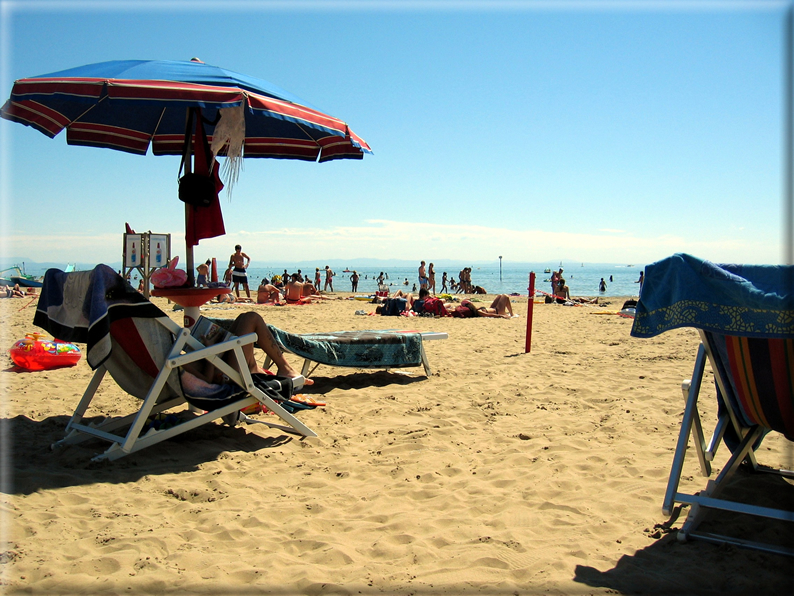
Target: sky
x=604, y=132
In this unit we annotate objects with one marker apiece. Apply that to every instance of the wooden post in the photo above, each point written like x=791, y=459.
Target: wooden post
x=530, y=310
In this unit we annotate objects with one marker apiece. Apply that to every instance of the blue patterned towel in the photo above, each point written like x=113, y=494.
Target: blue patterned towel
x=739, y=300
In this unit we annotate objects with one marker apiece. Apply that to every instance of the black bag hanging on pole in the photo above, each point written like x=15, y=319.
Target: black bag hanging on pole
x=195, y=189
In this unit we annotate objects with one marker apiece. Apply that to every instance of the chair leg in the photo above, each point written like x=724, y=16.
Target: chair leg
x=683, y=436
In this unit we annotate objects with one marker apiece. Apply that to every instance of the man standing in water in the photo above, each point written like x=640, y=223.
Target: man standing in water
x=422, y=276
x=240, y=261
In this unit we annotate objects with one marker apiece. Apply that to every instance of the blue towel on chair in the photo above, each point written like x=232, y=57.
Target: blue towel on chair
x=740, y=300
x=80, y=306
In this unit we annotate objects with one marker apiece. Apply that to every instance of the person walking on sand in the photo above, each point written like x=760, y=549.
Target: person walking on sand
x=240, y=262
x=329, y=279
x=431, y=279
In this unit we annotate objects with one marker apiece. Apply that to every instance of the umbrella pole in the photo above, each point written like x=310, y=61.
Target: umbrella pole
x=188, y=170
x=188, y=254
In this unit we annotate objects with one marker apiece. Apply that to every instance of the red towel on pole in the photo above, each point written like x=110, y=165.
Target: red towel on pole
x=204, y=222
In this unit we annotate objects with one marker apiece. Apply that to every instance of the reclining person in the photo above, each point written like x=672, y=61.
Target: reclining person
x=247, y=322
x=500, y=307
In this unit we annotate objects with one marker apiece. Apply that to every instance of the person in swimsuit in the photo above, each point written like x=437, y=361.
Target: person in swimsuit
x=329, y=279
x=268, y=294
x=296, y=292
x=239, y=261
x=203, y=271
x=422, y=276
x=247, y=322
x=500, y=307
x=431, y=278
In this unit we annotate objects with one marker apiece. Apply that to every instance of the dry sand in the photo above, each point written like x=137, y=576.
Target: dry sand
x=502, y=473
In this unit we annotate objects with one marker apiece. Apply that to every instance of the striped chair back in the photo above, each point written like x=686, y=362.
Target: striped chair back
x=757, y=377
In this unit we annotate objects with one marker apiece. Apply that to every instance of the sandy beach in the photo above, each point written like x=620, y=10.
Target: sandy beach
x=501, y=473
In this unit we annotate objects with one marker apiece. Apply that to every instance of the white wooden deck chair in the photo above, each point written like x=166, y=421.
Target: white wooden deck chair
x=382, y=349
x=144, y=352
x=745, y=317
x=754, y=384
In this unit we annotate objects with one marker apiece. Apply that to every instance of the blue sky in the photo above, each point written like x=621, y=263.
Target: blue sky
x=540, y=131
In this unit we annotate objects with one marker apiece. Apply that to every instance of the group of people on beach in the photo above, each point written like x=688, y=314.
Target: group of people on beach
x=427, y=280
x=15, y=291
x=424, y=303
x=561, y=293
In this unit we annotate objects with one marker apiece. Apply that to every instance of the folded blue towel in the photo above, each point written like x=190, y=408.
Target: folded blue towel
x=740, y=300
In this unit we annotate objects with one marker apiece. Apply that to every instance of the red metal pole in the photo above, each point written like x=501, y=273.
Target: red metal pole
x=530, y=310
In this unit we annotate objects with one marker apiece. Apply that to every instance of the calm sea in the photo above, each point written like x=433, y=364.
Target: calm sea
x=582, y=280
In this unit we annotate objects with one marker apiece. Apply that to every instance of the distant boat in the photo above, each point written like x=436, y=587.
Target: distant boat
x=21, y=278
x=629, y=265
x=547, y=271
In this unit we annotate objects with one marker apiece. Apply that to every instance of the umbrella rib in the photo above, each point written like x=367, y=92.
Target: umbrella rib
x=101, y=99
x=154, y=132
x=299, y=125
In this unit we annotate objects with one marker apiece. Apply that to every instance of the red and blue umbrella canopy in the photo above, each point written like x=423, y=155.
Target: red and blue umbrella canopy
x=128, y=105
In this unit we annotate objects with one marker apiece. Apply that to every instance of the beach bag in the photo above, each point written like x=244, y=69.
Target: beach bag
x=436, y=307
x=197, y=190
x=393, y=307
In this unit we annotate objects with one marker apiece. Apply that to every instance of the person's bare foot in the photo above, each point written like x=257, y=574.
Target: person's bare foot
x=288, y=371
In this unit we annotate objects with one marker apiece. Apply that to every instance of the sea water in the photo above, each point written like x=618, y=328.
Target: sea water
x=582, y=280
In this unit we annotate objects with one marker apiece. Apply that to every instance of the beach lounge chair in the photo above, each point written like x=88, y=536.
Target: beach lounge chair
x=745, y=317
x=383, y=349
x=145, y=352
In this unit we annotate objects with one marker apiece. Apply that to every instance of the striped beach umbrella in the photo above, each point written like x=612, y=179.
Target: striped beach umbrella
x=129, y=105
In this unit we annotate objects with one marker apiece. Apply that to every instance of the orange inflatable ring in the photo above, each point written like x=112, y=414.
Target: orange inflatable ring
x=35, y=352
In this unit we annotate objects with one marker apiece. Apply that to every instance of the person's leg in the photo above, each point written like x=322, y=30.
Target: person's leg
x=501, y=304
x=252, y=322
x=247, y=291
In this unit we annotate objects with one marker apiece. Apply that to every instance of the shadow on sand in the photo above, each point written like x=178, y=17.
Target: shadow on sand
x=669, y=566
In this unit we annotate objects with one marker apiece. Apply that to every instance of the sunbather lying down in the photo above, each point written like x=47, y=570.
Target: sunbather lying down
x=247, y=322
x=500, y=307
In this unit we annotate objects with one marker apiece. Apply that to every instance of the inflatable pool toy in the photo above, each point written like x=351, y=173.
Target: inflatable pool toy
x=35, y=352
x=364, y=298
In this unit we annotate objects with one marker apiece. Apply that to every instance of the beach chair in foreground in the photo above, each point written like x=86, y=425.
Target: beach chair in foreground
x=390, y=348
x=145, y=352
x=745, y=317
